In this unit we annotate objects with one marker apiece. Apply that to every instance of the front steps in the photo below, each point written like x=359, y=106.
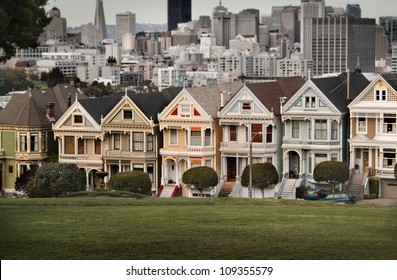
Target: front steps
x=226, y=189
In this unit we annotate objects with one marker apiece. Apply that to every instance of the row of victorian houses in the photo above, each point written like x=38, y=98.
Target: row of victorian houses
x=292, y=123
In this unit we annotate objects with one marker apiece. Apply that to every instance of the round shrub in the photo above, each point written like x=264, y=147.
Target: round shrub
x=201, y=177
x=55, y=179
x=132, y=181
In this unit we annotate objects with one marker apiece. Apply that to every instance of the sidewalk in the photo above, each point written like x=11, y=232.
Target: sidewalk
x=380, y=201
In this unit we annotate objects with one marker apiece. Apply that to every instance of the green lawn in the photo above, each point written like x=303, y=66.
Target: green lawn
x=128, y=228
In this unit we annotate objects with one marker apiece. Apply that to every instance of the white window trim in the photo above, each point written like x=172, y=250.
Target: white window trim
x=82, y=120
x=132, y=114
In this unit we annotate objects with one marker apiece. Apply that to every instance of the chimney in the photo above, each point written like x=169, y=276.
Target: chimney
x=50, y=108
x=222, y=98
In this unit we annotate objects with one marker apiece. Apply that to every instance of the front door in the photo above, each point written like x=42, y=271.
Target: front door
x=231, y=168
x=294, y=165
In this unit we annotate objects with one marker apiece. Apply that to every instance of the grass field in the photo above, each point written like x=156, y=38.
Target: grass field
x=127, y=228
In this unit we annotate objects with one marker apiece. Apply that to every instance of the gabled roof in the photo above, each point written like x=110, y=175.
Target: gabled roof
x=29, y=109
x=269, y=93
x=151, y=104
x=335, y=88
x=100, y=107
x=391, y=79
x=210, y=97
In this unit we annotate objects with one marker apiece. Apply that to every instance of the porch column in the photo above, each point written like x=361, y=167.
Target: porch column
x=87, y=180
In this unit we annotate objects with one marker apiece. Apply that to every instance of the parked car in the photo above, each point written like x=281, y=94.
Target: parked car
x=315, y=195
x=341, y=197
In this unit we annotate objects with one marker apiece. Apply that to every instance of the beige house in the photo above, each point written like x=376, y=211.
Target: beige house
x=373, y=135
x=114, y=134
x=192, y=135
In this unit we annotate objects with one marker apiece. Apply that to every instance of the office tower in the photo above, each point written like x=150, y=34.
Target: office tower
x=88, y=35
x=353, y=10
x=381, y=45
x=125, y=23
x=290, y=23
x=226, y=26
x=390, y=26
x=99, y=21
x=309, y=9
x=338, y=44
x=179, y=11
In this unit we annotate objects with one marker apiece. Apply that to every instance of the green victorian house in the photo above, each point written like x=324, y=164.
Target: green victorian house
x=26, y=136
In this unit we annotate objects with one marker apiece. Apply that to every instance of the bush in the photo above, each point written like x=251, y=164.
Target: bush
x=301, y=191
x=55, y=179
x=263, y=176
x=374, y=186
x=132, y=181
x=331, y=172
x=200, y=177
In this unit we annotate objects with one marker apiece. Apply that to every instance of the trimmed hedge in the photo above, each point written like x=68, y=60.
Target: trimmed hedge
x=200, y=177
x=374, y=186
x=132, y=181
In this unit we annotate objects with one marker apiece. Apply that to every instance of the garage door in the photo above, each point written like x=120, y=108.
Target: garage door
x=389, y=189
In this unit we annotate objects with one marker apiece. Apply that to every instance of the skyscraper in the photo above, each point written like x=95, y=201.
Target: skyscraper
x=353, y=10
x=340, y=43
x=178, y=11
x=125, y=23
x=99, y=21
x=310, y=9
x=390, y=26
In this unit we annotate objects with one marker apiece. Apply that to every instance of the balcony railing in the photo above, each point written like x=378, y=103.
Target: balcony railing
x=81, y=157
x=129, y=154
x=312, y=142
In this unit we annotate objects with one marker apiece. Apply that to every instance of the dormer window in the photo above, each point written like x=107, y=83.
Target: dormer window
x=127, y=114
x=310, y=102
x=380, y=95
x=246, y=106
x=77, y=119
x=185, y=110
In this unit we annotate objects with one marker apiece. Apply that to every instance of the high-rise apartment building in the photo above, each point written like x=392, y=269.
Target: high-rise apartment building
x=125, y=23
x=390, y=26
x=179, y=11
x=339, y=44
x=394, y=59
x=99, y=21
x=309, y=9
x=56, y=30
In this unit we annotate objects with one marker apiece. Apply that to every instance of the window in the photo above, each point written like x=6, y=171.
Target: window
x=80, y=146
x=137, y=167
x=232, y=133
x=295, y=129
x=362, y=125
x=116, y=141
x=195, y=138
x=319, y=158
x=150, y=171
x=389, y=158
x=10, y=169
x=43, y=141
x=380, y=95
x=23, y=145
x=207, y=137
x=173, y=137
x=149, y=142
x=246, y=106
x=138, y=140
x=185, y=110
x=334, y=157
x=334, y=130
x=78, y=119
x=34, y=142
x=207, y=163
x=97, y=146
x=127, y=114
x=389, y=123
x=256, y=133
x=310, y=102
x=269, y=134
x=321, y=130
x=69, y=145
x=309, y=129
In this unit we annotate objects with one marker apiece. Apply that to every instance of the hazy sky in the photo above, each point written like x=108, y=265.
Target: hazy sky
x=78, y=12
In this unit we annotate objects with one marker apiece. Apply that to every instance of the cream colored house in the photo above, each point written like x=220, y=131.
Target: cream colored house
x=192, y=135
x=373, y=136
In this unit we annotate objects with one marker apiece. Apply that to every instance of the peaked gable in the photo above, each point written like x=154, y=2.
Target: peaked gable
x=383, y=87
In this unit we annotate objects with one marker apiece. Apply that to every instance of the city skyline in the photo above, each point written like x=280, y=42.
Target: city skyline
x=144, y=13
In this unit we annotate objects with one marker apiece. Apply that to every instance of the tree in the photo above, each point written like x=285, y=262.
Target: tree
x=263, y=176
x=13, y=79
x=23, y=180
x=201, y=177
x=21, y=23
x=112, y=60
x=331, y=172
x=132, y=181
x=56, y=179
x=55, y=77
